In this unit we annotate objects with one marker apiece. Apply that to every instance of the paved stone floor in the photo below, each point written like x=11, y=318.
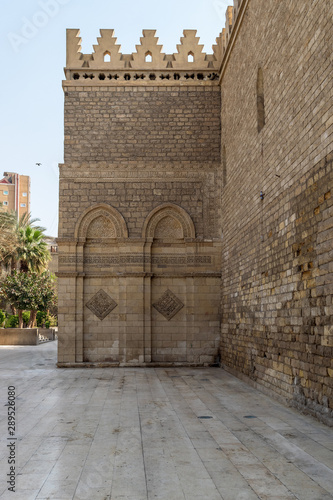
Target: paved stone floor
x=135, y=434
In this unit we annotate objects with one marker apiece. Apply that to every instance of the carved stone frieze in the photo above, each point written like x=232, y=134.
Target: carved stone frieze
x=101, y=227
x=168, y=228
x=116, y=260
x=145, y=62
x=170, y=212
x=101, y=221
x=101, y=304
x=168, y=305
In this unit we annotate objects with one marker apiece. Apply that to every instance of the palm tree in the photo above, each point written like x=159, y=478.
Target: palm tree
x=22, y=245
x=25, y=220
x=13, y=240
x=32, y=252
x=8, y=236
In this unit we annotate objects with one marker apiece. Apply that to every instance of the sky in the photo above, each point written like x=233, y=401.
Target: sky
x=33, y=55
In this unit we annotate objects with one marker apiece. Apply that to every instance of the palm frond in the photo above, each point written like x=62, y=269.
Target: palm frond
x=25, y=220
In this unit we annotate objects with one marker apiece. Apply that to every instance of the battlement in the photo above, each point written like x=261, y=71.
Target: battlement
x=234, y=15
x=148, y=65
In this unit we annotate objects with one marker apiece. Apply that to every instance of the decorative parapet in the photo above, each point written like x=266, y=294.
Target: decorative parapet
x=189, y=53
x=107, y=44
x=234, y=17
x=149, y=65
x=218, y=49
x=226, y=32
x=148, y=54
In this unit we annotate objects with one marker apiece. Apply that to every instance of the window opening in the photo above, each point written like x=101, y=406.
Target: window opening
x=190, y=57
x=148, y=57
x=107, y=56
x=260, y=100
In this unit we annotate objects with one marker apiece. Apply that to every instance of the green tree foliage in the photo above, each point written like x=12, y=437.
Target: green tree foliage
x=51, y=320
x=8, y=236
x=22, y=244
x=29, y=291
x=41, y=317
x=44, y=318
x=32, y=251
x=25, y=318
x=12, y=321
x=2, y=317
x=25, y=220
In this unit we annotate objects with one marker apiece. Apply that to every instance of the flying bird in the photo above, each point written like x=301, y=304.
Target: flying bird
x=38, y=164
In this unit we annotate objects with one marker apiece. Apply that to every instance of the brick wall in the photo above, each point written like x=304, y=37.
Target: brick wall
x=136, y=148
x=118, y=124
x=134, y=200
x=277, y=252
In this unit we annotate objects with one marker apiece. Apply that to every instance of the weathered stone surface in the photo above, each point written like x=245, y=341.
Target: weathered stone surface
x=25, y=336
x=138, y=209
x=101, y=304
x=168, y=305
x=277, y=282
x=139, y=434
x=195, y=174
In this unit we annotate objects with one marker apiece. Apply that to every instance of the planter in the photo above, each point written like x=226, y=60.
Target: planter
x=26, y=336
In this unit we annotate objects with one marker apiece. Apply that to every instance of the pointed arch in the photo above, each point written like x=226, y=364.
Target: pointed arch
x=107, y=56
x=148, y=56
x=101, y=216
x=173, y=216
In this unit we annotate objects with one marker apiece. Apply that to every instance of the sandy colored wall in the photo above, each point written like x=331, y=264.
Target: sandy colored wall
x=120, y=124
x=18, y=336
x=277, y=252
x=133, y=154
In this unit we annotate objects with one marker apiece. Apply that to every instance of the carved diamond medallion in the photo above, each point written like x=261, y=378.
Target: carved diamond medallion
x=168, y=305
x=101, y=304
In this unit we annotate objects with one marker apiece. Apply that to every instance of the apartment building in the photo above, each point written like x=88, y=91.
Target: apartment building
x=15, y=193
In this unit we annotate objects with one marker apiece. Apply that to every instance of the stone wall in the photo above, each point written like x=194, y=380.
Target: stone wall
x=25, y=336
x=136, y=148
x=153, y=195
x=139, y=255
x=277, y=214
x=134, y=193
x=18, y=336
x=122, y=124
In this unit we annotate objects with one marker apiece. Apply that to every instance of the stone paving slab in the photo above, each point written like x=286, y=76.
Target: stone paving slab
x=154, y=434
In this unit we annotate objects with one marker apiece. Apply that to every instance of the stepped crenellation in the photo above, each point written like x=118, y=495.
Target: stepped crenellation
x=148, y=55
x=149, y=64
x=108, y=65
x=231, y=15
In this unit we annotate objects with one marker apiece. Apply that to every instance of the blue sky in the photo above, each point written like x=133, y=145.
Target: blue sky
x=33, y=57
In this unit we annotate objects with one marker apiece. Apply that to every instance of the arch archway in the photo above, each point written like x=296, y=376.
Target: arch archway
x=100, y=232
x=101, y=216
x=167, y=230
x=168, y=221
